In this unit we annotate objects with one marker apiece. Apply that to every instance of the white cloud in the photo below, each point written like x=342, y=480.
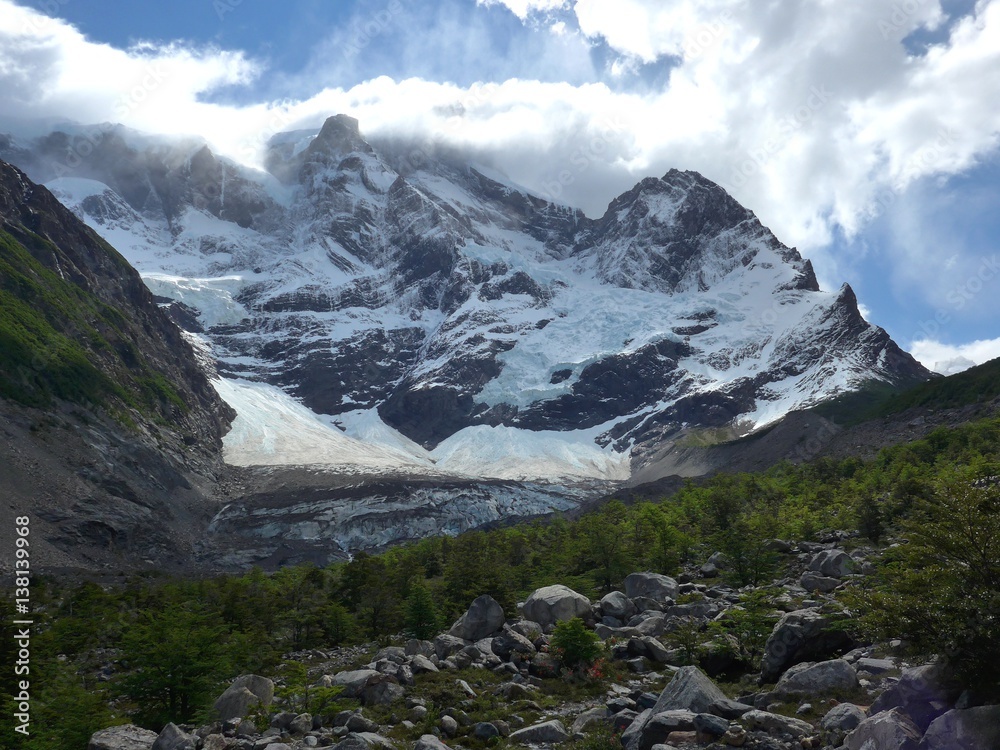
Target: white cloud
x=48, y=69
x=815, y=115
x=522, y=8
x=948, y=359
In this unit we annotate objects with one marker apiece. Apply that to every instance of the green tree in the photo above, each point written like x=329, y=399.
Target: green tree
x=175, y=655
x=940, y=591
x=422, y=619
x=606, y=543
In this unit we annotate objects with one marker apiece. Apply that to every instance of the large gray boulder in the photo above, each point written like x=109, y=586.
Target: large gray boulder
x=509, y=642
x=174, y=738
x=353, y=681
x=553, y=604
x=651, y=586
x=966, y=729
x=888, y=730
x=840, y=720
x=776, y=723
x=430, y=742
x=445, y=645
x=693, y=690
x=617, y=605
x=833, y=563
x=825, y=678
x=548, y=732
x=924, y=693
x=803, y=635
x=124, y=737
x=483, y=618
x=246, y=692
x=657, y=728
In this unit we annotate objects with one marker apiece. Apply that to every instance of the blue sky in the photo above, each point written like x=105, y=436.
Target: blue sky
x=864, y=134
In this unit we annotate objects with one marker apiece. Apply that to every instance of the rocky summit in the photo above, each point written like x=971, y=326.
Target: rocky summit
x=385, y=318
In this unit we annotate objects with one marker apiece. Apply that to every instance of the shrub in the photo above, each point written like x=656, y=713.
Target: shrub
x=940, y=590
x=574, y=644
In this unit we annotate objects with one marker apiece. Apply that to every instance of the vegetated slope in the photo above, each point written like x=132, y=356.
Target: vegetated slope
x=109, y=425
x=804, y=539
x=977, y=385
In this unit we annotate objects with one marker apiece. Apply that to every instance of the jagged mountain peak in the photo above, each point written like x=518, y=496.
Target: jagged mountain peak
x=453, y=306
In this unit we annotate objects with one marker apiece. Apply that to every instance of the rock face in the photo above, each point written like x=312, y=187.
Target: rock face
x=483, y=618
x=552, y=604
x=797, y=637
x=124, y=396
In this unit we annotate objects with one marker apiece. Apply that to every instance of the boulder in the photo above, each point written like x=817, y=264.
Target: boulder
x=174, y=738
x=416, y=647
x=430, y=742
x=553, y=604
x=303, y=723
x=421, y=664
x=840, y=720
x=776, y=724
x=449, y=726
x=483, y=618
x=803, y=635
x=510, y=642
x=548, y=732
x=825, y=678
x=692, y=690
x=966, y=729
x=617, y=605
x=834, y=563
x=651, y=586
x=353, y=681
x=445, y=645
x=657, y=728
x=890, y=729
x=124, y=737
x=381, y=691
x=595, y=715
x=246, y=692
x=824, y=584
x=357, y=722
x=485, y=731
x=923, y=692
x=874, y=666
x=710, y=727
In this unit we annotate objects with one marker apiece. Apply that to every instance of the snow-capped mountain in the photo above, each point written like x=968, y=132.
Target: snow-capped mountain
x=439, y=319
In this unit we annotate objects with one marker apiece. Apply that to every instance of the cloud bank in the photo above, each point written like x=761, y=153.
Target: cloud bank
x=818, y=115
